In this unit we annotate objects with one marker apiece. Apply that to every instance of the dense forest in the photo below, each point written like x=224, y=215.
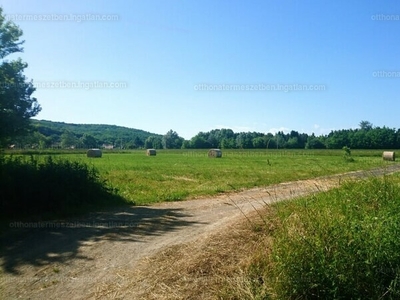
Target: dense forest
x=47, y=134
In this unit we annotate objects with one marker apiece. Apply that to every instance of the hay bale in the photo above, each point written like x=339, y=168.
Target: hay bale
x=94, y=153
x=389, y=156
x=151, y=152
x=215, y=153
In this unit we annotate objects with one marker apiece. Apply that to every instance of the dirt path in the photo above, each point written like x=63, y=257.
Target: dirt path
x=99, y=256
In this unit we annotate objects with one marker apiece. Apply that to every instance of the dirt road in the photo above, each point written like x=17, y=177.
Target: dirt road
x=99, y=256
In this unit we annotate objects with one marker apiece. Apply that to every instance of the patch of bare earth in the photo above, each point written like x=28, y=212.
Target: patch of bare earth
x=178, y=250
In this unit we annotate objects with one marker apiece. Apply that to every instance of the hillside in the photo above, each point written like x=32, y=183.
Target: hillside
x=60, y=134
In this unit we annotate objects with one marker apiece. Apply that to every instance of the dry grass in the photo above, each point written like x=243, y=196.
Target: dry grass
x=209, y=268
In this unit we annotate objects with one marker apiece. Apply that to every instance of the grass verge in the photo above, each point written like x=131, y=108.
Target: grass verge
x=340, y=244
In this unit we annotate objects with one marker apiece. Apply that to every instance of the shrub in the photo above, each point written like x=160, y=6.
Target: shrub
x=347, y=154
x=52, y=187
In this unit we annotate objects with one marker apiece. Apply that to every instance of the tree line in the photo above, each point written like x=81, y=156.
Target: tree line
x=47, y=134
x=366, y=136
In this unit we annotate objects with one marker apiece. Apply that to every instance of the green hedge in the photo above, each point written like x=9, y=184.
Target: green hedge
x=50, y=188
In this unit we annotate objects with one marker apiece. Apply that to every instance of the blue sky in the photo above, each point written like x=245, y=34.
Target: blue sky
x=190, y=65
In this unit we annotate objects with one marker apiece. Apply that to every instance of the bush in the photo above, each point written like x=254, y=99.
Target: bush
x=52, y=187
x=347, y=154
x=342, y=244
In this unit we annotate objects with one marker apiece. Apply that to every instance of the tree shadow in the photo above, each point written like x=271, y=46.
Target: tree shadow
x=42, y=243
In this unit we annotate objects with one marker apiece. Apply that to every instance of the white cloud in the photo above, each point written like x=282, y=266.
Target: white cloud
x=275, y=130
x=322, y=131
x=235, y=128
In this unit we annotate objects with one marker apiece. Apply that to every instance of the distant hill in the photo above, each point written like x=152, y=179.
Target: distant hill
x=76, y=135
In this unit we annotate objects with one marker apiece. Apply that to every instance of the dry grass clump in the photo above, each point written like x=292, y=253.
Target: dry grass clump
x=211, y=267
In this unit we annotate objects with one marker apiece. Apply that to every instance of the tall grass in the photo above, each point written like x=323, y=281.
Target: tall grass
x=51, y=187
x=341, y=244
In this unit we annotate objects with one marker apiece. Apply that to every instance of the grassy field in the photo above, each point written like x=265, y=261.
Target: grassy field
x=340, y=244
x=182, y=174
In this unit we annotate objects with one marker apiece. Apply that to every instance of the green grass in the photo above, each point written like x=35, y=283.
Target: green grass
x=69, y=180
x=340, y=244
x=182, y=174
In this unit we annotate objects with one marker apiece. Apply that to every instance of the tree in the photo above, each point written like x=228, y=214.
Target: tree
x=213, y=141
x=230, y=143
x=68, y=140
x=89, y=141
x=135, y=143
x=365, y=125
x=244, y=141
x=186, y=144
x=259, y=143
x=292, y=143
x=279, y=139
x=199, y=142
x=16, y=104
x=153, y=142
x=337, y=139
x=171, y=140
x=314, y=142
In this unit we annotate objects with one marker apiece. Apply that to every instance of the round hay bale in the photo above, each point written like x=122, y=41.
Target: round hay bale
x=151, y=152
x=389, y=156
x=217, y=153
x=94, y=153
